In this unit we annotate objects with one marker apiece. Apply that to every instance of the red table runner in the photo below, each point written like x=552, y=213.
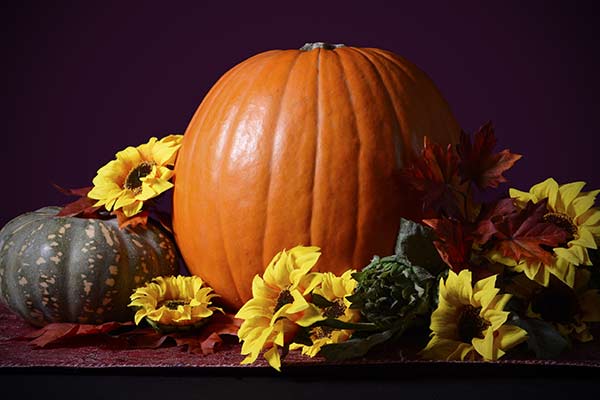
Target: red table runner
x=99, y=352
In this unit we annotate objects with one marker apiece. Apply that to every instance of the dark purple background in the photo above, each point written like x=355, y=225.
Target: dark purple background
x=83, y=81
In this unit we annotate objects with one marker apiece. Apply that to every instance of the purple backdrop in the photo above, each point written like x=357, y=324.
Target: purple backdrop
x=83, y=81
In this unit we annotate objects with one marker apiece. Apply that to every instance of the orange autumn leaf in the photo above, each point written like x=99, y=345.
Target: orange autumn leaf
x=140, y=218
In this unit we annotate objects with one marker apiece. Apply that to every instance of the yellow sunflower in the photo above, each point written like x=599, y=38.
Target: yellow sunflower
x=279, y=304
x=568, y=309
x=171, y=303
x=334, y=289
x=136, y=175
x=469, y=322
x=570, y=209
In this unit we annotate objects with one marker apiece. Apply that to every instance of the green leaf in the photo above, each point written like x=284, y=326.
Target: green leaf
x=355, y=347
x=356, y=326
x=415, y=244
x=542, y=338
x=321, y=301
x=422, y=273
x=303, y=337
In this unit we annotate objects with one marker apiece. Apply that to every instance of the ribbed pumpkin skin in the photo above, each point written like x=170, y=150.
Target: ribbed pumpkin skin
x=301, y=147
x=66, y=269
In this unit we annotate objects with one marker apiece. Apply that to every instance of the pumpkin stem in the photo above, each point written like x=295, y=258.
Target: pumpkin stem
x=321, y=45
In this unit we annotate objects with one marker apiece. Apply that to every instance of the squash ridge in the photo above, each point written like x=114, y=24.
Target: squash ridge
x=358, y=153
x=317, y=138
x=269, y=169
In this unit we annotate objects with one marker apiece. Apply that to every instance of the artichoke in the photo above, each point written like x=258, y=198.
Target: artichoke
x=391, y=292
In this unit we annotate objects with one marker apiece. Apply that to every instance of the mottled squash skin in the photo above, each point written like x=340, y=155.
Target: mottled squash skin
x=67, y=269
x=303, y=147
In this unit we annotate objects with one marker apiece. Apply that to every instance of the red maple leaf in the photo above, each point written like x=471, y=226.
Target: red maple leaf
x=453, y=242
x=478, y=162
x=434, y=174
x=83, y=206
x=488, y=216
x=523, y=233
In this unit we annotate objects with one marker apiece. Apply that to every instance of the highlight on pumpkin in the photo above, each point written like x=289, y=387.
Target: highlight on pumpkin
x=136, y=175
x=352, y=95
x=173, y=303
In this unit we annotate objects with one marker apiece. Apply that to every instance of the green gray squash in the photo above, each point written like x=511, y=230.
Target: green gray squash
x=69, y=269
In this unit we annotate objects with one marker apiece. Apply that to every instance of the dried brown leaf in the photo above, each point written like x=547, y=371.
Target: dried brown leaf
x=62, y=331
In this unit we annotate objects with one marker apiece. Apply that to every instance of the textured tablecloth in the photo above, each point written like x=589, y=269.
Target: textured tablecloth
x=101, y=353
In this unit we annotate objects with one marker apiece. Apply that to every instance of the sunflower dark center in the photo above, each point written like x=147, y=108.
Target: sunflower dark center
x=335, y=310
x=173, y=304
x=285, y=297
x=470, y=324
x=321, y=332
x=134, y=178
x=563, y=221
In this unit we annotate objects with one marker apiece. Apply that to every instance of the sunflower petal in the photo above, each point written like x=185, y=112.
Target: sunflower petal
x=581, y=205
x=510, y=336
x=520, y=196
x=485, y=347
x=299, y=304
x=586, y=239
x=574, y=255
x=440, y=348
x=496, y=318
x=254, y=308
x=567, y=193
x=288, y=271
x=132, y=209
x=309, y=316
x=459, y=286
x=273, y=358
x=590, y=218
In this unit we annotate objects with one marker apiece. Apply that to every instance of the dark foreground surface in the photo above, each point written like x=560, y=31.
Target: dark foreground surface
x=95, y=369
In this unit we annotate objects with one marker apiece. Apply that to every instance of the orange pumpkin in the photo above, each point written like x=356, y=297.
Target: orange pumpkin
x=301, y=147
